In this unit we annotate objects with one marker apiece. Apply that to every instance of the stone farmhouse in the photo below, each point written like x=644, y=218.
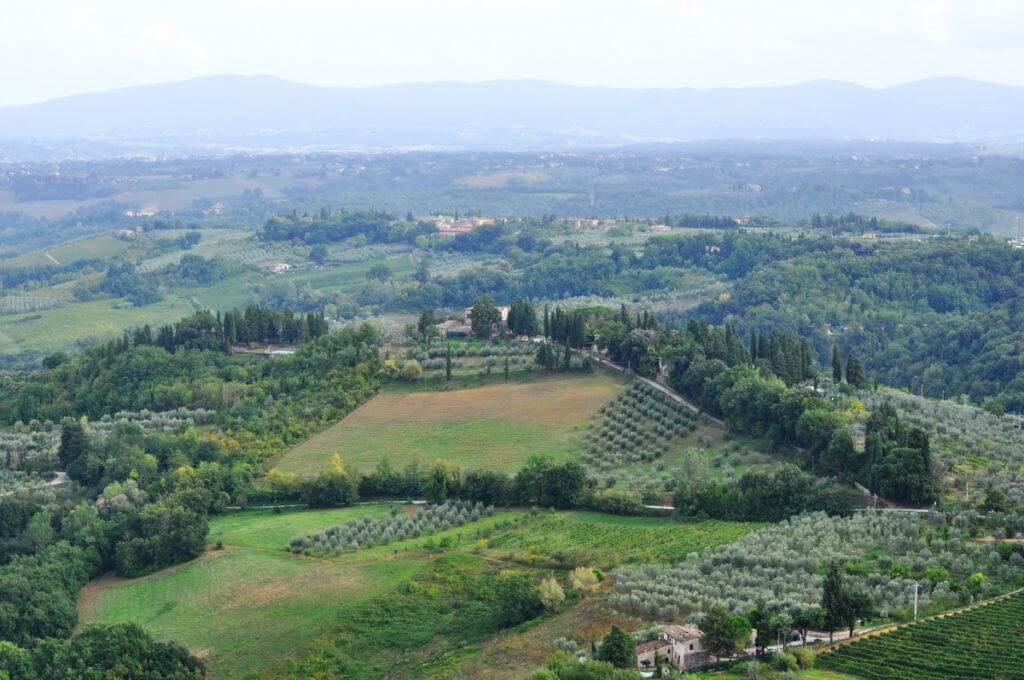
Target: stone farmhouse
x=679, y=645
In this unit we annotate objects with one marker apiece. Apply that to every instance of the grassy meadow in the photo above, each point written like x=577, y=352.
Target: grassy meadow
x=253, y=609
x=252, y=603
x=595, y=539
x=496, y=426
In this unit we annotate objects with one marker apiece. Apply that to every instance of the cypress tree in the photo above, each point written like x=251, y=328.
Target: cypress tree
x=837, y=365
x=855, y=371
x=448, y=364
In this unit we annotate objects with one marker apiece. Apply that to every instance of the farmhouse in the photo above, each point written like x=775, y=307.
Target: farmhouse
x=453, y=328
x=679, y=645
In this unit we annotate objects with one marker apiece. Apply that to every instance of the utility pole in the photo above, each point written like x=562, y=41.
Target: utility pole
x=917, y=586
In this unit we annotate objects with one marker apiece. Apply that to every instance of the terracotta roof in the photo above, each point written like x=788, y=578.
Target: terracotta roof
x=650, y=646
x=682, y=633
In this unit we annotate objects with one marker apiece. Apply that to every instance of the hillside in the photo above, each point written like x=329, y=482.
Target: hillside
x=260, y=112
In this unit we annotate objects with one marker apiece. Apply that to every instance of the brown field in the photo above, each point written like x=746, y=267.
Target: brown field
x=493, y=427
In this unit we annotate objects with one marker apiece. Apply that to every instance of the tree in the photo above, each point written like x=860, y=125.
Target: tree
x=122, y=650
x=833, y=599
x=522, y=318
x=73, y=450
x=723, y=633
x=617, y=648
x=518, y=599
x=426, y=325
x=551, y=593
x=379, y=272
x=448, y=364
x=840, y=457
x=583, y=579
x=331, y=488
x=436, y=488
x=484, y=317
x=855, y=372
x=837, y=365
x=318, y=253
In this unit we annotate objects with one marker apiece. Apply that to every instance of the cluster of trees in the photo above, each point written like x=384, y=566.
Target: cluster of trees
x=858, y=224
x=758, y=496
x=897, y=458
x=148, y=491
x=939, y=316
x=122, y=280
x=205, y=330
x=332, y=227
x=122, y=650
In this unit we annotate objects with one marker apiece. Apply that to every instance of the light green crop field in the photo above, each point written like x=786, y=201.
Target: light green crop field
x=102, y=247
x=594, y=539
x=253, y=603
x=62, y=328
x=496, y=426
x=253, y=609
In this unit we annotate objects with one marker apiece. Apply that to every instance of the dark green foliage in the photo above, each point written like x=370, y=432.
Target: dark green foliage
x=333, y=227
x=329, y=489
x=158, y=536
x=122, y=650
x=522, y=318
x=898, y=463
x=759, y=496
x=617, y=648
x=484, y=317
x=837, y=366
x=855, y=372
x=38, y=593
x=938, y=316
x=841, y=606
x=518, y=599
x=723, y=633
x=543, y=483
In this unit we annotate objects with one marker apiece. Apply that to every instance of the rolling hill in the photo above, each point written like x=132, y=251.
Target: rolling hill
x=231, y=112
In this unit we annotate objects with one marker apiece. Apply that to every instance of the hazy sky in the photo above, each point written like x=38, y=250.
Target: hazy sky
x=50, y=48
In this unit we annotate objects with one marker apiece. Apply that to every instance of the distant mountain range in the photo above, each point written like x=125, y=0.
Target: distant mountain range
x=233, y=113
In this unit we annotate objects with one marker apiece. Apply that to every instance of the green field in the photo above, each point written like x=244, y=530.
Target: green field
x=254, y=608
x=596, y=539
x=66, y=327
x=253, y=604
x=496, y=426
x=984, y=643
x=102, y=247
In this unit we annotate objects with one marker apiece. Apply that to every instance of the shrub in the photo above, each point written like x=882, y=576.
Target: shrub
x=551, y=594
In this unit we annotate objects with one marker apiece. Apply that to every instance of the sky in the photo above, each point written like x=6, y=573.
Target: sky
x=52, y=48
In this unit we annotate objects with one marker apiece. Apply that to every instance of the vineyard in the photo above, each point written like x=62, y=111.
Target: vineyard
x=984, y=643
x=608, y=540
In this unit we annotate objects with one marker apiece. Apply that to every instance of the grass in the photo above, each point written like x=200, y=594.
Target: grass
x=66, y=327
x=101, y=247
x=497, y=426
x=253, y=604
x=601, y=540
x=254, y=609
